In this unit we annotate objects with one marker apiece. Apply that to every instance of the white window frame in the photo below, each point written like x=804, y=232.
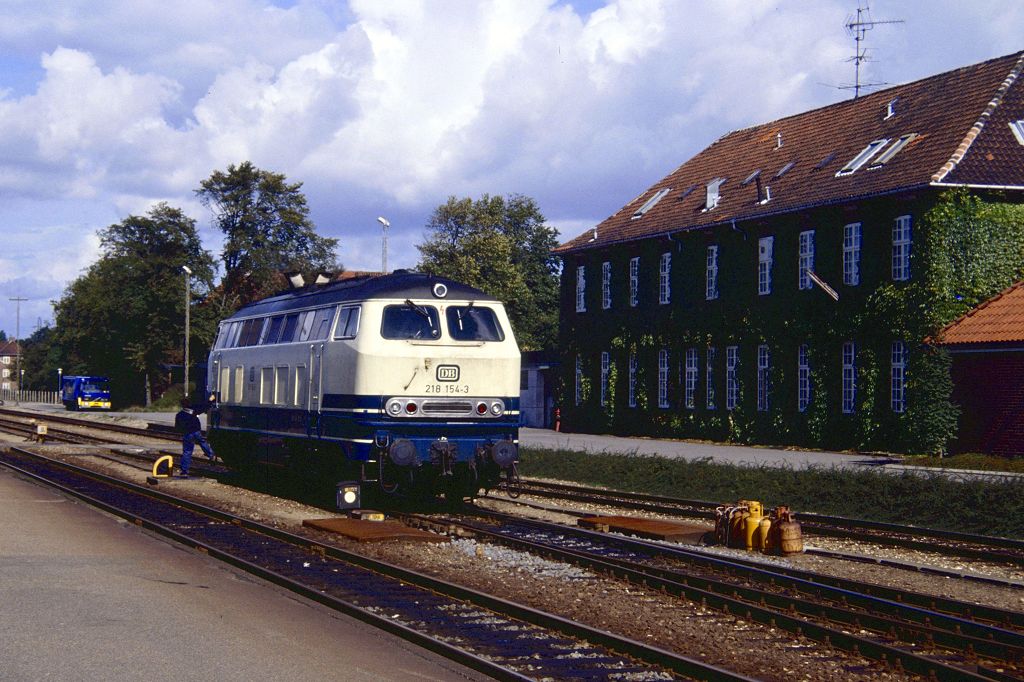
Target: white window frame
x=851, y=254
x=849, y=377
x=898, y=377
x=663, y=378
x=806, y=260
x=605, y=364
x=632, y=379
x=902, y=236
x=711, y=276
x=1017, y=127
x=803, y=378
x=709, y=379
x=765, y=248
x=665, y=279
x=606, y=285
x=649, y=204
x=634, y=281
x=732, y=384
x=763, y=377
x=691, y=378
x=579, y=380
x=581, y=289
x=862, y=158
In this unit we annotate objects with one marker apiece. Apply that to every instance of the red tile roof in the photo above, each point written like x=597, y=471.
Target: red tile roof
x=1000, y=319
x=962, y=136
x=8, y=348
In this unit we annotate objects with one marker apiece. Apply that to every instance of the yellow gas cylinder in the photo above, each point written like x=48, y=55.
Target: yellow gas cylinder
x=761, y=536
x=751, y=523
x=791, y=539
x=736, y=524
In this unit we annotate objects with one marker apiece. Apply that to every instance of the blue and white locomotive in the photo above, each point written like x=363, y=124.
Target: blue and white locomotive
x=408, y=382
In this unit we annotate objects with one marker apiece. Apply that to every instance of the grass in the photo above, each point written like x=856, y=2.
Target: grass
x=970, y=461
x=929, y=499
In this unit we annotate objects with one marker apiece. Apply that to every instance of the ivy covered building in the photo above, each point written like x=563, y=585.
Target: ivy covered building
x=780, y=286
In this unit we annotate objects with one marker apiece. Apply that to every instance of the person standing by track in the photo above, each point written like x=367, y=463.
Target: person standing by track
x=188, y=424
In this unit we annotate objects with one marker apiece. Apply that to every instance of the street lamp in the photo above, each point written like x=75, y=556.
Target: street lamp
x=384, y=224
x=188, y=304
x=60, y=376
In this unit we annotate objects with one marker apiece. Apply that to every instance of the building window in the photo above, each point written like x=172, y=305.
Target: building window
x=7, y=373
x=849, y=377
x=663, y=378
x=606, y=285
x=763, y=383
x=851, y=254
x=732, y=384
x=803, y=379
x=711, y=279
x=764, y=265
x=604, y=378
x=691, y=378
x=899, y=377
x=7, y=359
x=863, y=157
x=709, y=379
x=664, y=286
x=632, y=379
x=901, y=249
x=1018, y=130
x=6, y=386
x=634, y=280
x=806, y=263
x=649, y=204
x=581, y=289
x=579, y=380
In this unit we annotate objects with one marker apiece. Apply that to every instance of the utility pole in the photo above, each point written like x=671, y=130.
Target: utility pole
x=384, y=224
x=17, y=332
x=188, y=304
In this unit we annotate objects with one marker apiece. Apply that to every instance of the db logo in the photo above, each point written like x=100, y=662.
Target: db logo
x=447, y=372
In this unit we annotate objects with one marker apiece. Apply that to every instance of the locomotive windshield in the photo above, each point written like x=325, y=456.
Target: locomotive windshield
x=466, y=323
x=410, y=321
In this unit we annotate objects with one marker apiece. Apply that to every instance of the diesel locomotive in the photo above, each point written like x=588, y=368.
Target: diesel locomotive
x=401, y=384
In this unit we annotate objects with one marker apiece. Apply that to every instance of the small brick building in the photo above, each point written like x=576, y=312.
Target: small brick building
x=987, y=346
x=9, y=351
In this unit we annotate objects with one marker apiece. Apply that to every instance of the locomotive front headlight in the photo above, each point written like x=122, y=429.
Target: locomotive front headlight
x=394, y=407
x=497, y=408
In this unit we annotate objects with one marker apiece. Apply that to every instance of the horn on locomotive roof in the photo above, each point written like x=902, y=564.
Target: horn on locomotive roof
x=295, y=280
x=322, y=278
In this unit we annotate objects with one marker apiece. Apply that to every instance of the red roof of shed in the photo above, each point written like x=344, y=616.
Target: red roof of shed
x=1000, y=319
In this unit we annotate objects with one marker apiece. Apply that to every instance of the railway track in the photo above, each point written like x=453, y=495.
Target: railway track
x=938, y=638
x=497, y=637
x=950, y=543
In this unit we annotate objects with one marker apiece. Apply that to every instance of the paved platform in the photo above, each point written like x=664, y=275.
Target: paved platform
x=87, y=596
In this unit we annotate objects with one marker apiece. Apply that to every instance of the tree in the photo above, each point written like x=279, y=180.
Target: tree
x=267, y=231
x=125, y=316
x=502, y=246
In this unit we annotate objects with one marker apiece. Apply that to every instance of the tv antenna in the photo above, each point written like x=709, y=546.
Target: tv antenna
x=858, y=27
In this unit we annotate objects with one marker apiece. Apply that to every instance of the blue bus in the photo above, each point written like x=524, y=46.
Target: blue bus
x=84, y=393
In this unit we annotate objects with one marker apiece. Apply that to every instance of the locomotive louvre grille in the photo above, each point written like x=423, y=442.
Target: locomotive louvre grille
x=447, y=408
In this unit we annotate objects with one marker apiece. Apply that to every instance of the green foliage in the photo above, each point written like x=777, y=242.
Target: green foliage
x=125, y=315
x=965, y=249
x=934, y=501
x=502, y=246
x=267, y=230
x=41, y=356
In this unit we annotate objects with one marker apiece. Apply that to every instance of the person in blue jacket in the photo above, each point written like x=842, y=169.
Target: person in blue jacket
x=191, y=429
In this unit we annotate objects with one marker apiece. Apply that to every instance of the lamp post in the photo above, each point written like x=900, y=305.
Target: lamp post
x=384, y=224
x=188, y=304
x=60, y=380
x=17, y=346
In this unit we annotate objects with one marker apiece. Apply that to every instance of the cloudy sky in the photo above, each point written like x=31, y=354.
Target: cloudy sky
x=385, y=108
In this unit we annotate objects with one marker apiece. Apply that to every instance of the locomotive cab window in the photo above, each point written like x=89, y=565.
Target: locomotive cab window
x=348, y=323
x=410, y=321
x=469, y=323
x=272, y=333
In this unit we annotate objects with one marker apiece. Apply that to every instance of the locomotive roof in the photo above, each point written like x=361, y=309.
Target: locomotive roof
x=398, y=285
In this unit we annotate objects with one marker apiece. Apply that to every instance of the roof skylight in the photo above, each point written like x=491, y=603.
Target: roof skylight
x=892, y=151
x=687, y=192
x=863, y=157
x=1018, y=130
x=826, y=161
x=713, y=195
x=785, y=169
x=649, y=204
x=750, y=178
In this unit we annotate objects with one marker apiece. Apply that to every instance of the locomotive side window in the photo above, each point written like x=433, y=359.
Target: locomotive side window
x=281, y=386
x=273, y=330
x=410, y=321
x=300, y=385
x=305, y=324
x=224, y=384
x=290, y=324
x=321, y=324
x=239, y=383
x=348, y=323
x=250, y=333
x=468, y=323
x=266, y=385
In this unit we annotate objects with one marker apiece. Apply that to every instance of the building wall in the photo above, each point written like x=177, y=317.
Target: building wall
x=782, y=321
x=989, y=387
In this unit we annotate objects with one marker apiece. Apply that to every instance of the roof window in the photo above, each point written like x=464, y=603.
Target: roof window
x=826, y=161
x=687, y=192
x=649, y=204
x=890, y=108
x=1018, y=130
x=785, y=169
x=862, y=158
x=750, y=178
x=713, y=195
x=892, y=151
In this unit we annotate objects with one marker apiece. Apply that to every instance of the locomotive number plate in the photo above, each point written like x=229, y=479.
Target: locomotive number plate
x=447, y=372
